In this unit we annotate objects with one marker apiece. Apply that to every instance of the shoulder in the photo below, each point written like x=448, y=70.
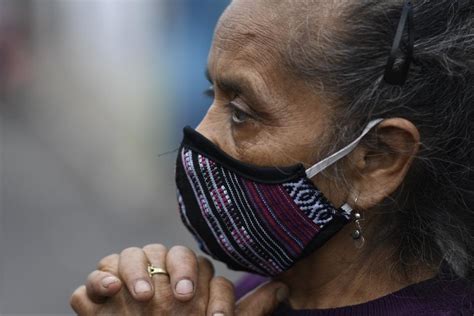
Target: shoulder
x=434, y=297
x=443, y=297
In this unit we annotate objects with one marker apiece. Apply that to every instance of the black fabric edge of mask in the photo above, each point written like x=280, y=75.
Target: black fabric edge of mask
x=271, y=175
x=327, y=232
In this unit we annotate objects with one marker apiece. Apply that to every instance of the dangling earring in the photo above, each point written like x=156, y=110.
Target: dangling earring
x=357, y=235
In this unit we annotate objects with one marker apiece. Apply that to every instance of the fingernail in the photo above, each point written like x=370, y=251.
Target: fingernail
x=282, y=294
x=184, y=287
x=142, y=287
x=107, y=281
x=218, y=314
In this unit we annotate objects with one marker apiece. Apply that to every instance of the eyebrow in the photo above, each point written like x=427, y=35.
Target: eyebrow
x=237, y=85
x=257, y=98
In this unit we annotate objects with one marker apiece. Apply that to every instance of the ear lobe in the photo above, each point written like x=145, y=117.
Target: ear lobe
x=382, y=168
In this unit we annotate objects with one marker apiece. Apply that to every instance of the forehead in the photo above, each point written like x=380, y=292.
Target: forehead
x=248, y=31
x=259, y=31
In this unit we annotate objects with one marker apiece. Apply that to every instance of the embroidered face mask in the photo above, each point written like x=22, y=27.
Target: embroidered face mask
x=256, y=219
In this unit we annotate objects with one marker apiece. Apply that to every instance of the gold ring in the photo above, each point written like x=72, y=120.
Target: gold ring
x=154, y=270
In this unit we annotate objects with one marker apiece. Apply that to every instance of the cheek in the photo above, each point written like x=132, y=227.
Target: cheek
x=272, y=147
x=296, y=135
x=264, y=145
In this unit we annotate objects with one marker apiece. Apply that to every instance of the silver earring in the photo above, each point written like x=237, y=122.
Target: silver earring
x=357, y=235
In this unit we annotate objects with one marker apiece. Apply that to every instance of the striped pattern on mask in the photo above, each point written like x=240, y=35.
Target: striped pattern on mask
x=257, y=227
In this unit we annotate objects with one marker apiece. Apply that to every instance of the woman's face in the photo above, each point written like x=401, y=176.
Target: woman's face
x=261, y=114
x=264, y=115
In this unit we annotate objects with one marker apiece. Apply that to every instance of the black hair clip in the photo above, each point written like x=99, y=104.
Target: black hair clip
x=396, y=74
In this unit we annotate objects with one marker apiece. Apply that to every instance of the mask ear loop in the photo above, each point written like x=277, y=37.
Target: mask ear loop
x=323, y=164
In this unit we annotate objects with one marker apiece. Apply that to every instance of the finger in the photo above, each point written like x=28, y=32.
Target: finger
x=205, y=274
x=156, y=254
x=101, y=285
x=221, y=297
x=109, y=264
x=264, y=300
x=81, y=304
x=133, y=271
x=98, y=289
x=182, y=266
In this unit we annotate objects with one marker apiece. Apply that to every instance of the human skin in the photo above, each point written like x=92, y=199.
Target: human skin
x=213, y=296
x=263, y=115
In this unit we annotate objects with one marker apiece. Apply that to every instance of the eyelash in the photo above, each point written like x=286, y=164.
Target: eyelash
x=235, y=111
x=209, y=92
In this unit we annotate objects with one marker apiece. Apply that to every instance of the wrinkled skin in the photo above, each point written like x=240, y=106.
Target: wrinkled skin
x=264, y=115
x=104, y=294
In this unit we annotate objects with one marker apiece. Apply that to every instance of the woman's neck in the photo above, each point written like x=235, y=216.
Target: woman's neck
x=338, y=274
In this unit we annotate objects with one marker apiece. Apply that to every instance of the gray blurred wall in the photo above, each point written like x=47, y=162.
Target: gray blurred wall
x=101, y=96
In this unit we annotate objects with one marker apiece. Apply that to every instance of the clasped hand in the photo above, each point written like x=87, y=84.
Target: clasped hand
x=121, y=286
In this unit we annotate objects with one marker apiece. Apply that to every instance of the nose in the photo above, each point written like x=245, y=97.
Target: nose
x=209, y=129
x=215, y=127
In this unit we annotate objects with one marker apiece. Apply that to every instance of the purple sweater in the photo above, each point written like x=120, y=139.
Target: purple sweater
x=434, y=297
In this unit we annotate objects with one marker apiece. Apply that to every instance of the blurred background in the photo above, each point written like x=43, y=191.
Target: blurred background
x=92, y=92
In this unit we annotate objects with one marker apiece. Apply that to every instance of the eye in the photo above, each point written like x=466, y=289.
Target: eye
x=237, y=115
x=209, y=92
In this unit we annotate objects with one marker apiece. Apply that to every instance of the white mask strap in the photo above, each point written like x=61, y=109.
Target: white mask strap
x=320, y=166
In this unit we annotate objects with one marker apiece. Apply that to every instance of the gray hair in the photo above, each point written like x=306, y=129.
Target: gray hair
x=431, y=217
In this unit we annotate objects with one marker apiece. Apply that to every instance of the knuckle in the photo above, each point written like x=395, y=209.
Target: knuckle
x=155, y=248
x=92, y=276
x=129, y=251
x=108, y=262
x=76, y=298
x=205, y=264
x=93, y=280
x=181, y=260
x=182, y=249
x=223, y=283
x=204, y=261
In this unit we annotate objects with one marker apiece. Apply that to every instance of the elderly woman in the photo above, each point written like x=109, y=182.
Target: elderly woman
x=336, y=160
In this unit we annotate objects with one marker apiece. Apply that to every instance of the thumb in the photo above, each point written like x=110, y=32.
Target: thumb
x=264, y=300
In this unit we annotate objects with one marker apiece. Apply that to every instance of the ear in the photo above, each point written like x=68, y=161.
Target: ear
x=378, y=172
